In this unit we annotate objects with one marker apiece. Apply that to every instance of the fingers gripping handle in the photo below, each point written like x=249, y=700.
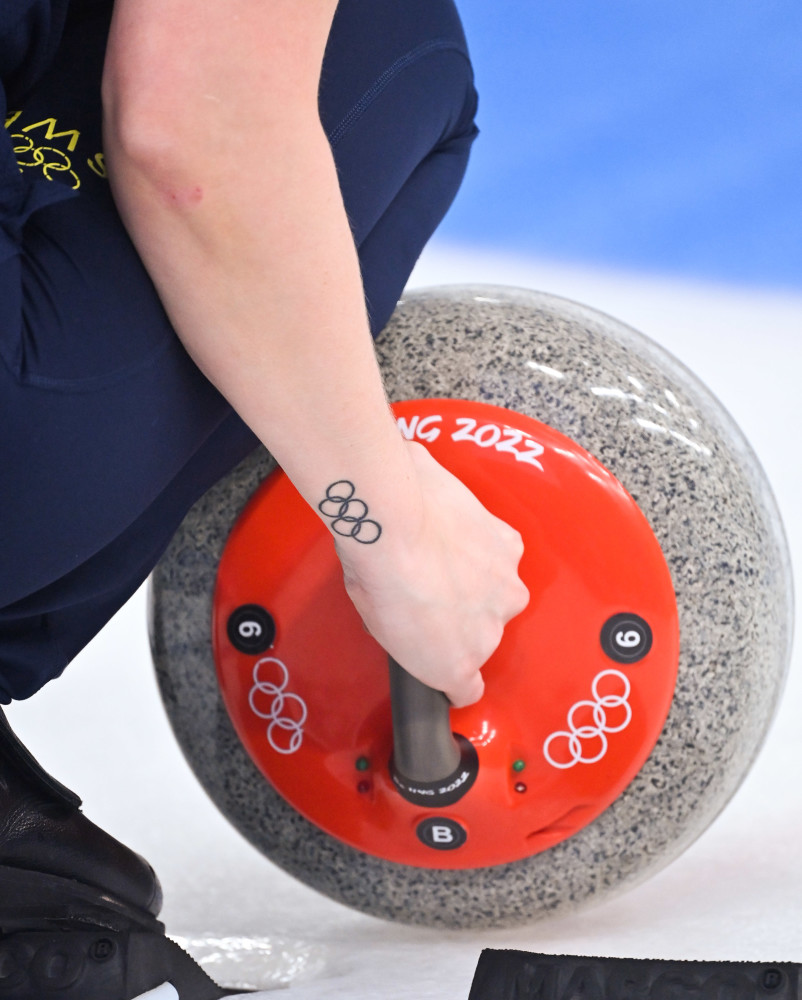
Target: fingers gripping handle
x=430, y=765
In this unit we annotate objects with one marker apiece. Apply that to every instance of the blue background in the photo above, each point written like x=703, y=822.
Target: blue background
x=655, y=135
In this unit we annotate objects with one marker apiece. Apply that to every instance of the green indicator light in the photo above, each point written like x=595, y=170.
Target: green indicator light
x=362, y=764
x=519, y=765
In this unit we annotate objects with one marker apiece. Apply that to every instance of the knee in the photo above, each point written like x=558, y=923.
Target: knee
x=410, y=57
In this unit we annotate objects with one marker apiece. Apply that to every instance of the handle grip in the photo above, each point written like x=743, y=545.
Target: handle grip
x=424, y=747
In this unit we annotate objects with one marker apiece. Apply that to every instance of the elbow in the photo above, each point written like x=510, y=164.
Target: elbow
x=170, y=147
x=152, y=168
x=153, y=163
x=201, y=95
x=138, y=135
x=156, y=127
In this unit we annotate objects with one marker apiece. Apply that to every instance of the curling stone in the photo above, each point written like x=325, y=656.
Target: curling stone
x=623, y=707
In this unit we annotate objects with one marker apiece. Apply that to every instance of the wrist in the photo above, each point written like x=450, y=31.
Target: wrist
x=397, y=508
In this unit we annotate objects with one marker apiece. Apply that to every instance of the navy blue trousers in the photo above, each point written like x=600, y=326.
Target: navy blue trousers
x=108, y=432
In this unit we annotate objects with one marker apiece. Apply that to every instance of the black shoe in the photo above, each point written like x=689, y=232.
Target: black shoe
x=100, y=965
x=78, y=909
x=55, y=865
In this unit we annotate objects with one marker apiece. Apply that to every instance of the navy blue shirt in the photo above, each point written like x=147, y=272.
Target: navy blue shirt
x=29, y=35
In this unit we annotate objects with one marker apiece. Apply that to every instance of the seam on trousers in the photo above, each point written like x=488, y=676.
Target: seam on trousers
x=383, y=81
x=94, y=383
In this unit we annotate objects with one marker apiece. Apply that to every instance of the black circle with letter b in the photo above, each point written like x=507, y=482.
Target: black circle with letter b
x=441, y=833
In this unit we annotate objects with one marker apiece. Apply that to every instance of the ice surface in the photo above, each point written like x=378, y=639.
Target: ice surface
x=736, y=894
x=165, y=992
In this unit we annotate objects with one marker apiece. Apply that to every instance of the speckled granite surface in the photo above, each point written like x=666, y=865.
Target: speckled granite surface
x=678, y=453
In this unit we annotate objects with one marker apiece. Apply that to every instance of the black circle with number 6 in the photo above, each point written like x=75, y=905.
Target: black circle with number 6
x=251, y=629
x=626, y=638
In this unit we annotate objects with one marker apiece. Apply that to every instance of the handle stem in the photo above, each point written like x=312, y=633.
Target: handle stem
x=424, y=747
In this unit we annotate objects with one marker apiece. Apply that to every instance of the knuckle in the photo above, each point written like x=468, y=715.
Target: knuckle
x=477, y=690
x=515, y=541
x=523, y=597
x=469, y=692
x=492, y=639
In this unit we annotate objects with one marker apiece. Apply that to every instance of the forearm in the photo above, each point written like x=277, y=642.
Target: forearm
x=270, y=305
x=254, y=261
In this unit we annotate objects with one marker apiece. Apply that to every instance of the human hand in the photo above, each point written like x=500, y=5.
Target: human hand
x=437, y=594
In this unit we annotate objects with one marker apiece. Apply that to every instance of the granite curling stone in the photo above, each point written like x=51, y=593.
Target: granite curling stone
x=656, y=428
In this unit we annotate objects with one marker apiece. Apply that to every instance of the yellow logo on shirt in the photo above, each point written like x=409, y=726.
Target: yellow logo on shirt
x=53, y=160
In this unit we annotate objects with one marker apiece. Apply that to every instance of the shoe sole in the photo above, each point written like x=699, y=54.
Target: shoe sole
x=38, y=901
x=100, y=965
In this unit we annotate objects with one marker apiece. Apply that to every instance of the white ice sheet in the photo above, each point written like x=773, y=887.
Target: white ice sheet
x=735, y=894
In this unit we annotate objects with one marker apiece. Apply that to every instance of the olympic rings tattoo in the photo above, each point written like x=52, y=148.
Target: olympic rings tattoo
x=349, y=513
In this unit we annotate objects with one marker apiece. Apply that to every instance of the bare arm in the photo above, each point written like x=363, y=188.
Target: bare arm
x=225, y=180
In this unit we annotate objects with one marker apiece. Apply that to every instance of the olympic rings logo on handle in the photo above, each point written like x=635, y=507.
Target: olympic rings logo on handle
x=576, y=734
x=285, y=733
